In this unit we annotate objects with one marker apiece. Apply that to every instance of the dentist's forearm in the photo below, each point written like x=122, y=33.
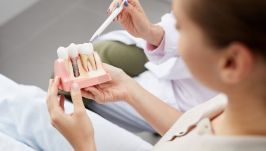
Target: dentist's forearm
x=160, y=115
x=155, y=35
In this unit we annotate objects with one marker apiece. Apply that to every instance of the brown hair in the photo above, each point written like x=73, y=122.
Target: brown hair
x=227, y=21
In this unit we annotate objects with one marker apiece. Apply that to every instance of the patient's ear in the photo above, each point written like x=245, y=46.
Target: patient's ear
x=236, y=63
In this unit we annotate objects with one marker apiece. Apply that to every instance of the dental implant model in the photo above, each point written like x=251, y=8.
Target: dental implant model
x=80, y=64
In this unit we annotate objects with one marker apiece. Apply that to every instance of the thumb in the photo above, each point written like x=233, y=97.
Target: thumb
x=108, y=68
x=76, y=97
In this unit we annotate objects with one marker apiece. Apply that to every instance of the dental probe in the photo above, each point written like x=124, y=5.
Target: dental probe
x=108, y=21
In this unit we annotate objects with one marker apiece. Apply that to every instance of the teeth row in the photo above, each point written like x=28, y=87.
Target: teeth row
x=74, y=50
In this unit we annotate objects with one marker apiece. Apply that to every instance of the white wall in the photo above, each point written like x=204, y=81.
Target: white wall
x=11, y=8
x=169, y=1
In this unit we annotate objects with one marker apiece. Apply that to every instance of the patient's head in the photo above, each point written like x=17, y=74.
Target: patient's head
x=223, y=42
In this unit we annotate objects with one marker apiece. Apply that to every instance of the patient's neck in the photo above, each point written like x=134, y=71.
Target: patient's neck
x=244, y=115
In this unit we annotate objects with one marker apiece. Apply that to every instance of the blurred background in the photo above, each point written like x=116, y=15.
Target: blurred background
x=32, y=30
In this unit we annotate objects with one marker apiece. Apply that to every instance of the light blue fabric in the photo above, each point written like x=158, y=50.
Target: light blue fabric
x=24, y=117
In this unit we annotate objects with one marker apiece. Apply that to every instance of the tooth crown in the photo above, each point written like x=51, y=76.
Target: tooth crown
x=86, y=48
x=62, y=53
x=73, y=50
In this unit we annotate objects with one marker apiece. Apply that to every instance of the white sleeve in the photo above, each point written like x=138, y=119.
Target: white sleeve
x=165, y=61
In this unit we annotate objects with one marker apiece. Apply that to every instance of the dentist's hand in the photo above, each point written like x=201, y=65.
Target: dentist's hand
x=119, y=88
x=134, y=20
x=75, y=127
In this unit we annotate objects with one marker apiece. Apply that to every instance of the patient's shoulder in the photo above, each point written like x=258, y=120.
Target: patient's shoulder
x=209, y=109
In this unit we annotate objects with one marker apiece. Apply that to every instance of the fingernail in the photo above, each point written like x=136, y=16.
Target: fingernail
x=56, y=78
x=117, y=4
x=75, y=87
x=126, y=3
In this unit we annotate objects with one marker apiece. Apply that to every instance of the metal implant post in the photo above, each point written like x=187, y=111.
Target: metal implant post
x=73, y=51
x=75, y=66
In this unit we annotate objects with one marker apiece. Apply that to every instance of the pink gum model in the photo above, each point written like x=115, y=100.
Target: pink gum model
x=83, y=81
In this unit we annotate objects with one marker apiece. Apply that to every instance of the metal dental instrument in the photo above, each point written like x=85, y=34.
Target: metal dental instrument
x=109, y=20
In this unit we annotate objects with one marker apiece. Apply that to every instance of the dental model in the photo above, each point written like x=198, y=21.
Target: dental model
x=80, y=64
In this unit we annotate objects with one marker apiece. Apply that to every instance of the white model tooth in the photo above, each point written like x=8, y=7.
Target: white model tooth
x=86, y=48
x=91, y=46
x=73, y=50
x=73, y=53
x=62, y=53
x=98, y=61
x=79, y=47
